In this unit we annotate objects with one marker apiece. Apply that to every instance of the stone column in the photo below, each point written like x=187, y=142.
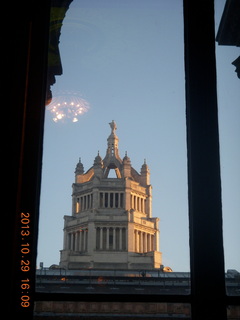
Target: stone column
x=141, y=242
x=114, y=238
x=86, y=240
x=76, y=241
x=101, y=238
x=120, y=238
x=152, y=242
x=83, y=240
x=80, y=240
x=107, y=239
x=108, y=200
x=65, y=240
x=135, y=241
x=148, y=242
x=69, y=241
x=90, y=201
x=145, y=242
x=72, y=241
x=83, y=203
x=114, y=206
x=138, y=241
x=126, y=238
x=157, y=241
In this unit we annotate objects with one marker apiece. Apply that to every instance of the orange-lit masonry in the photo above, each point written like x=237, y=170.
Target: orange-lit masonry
x=111, y=225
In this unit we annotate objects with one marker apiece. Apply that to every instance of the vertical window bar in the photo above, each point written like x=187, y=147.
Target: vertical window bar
x=205, y=216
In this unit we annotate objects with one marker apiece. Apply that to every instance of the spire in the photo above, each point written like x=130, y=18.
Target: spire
x=112, y=149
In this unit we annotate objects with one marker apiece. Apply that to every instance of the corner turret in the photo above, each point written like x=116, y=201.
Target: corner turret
x=145, y=174
x=79, y=168
x=126, y=171
x=98, y=166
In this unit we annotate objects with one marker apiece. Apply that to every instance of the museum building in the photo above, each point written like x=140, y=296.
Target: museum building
x=111, y=225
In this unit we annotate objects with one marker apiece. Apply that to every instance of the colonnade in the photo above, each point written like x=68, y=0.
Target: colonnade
x=111, y=238
x=111, y=199
x=144, y=242
x=84, y=202
x=138, y=203
x=78, y=240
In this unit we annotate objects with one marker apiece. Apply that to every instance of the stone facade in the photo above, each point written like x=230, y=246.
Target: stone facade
x=111, y=226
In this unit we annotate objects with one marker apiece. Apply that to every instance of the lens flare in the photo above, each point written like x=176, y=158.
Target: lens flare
x=68, y=106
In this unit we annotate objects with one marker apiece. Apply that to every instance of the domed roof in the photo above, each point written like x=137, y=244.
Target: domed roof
x=126, y=159
x=144, y=166
x=79, y=167
x=98, y=160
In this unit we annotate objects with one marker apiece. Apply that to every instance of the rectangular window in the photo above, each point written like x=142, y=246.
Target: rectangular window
x=107, y=41
x=116, y=199
x=201, y=114
x=121, y=200
x=101, y=200
x=111, y=200
x=106, y=199
x=111, y=239
x=227, y=33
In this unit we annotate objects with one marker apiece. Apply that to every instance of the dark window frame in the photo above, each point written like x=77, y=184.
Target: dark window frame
x=26, y=80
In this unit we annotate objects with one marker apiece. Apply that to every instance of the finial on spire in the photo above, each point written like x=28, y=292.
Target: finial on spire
x=113, y=126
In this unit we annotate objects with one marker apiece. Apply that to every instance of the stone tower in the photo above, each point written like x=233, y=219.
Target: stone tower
x=111, y=226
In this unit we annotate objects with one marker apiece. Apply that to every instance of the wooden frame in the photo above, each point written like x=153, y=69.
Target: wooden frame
x=26, y=79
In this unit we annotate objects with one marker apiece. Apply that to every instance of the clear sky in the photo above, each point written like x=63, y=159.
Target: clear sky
x=124, y=59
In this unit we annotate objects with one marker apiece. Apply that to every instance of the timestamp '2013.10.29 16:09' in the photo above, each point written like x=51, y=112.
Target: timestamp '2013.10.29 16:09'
x=25, y=262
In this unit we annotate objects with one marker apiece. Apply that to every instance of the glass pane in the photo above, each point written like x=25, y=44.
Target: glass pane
x=233, y=312
x=122, y=60
x=229, y=114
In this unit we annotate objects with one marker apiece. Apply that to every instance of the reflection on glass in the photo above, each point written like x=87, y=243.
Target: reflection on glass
x=67, y=106
x=233, y=312
x=229, y=114
x=126, y=59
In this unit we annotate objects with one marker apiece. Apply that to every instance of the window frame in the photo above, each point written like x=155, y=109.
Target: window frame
x=208, y=297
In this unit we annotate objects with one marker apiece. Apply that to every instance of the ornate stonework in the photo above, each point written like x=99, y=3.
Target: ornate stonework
x=111, y=225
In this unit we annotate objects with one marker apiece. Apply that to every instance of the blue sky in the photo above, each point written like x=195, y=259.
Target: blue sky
x=126, y=59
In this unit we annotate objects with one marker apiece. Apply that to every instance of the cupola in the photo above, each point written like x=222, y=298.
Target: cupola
x=79, y=168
